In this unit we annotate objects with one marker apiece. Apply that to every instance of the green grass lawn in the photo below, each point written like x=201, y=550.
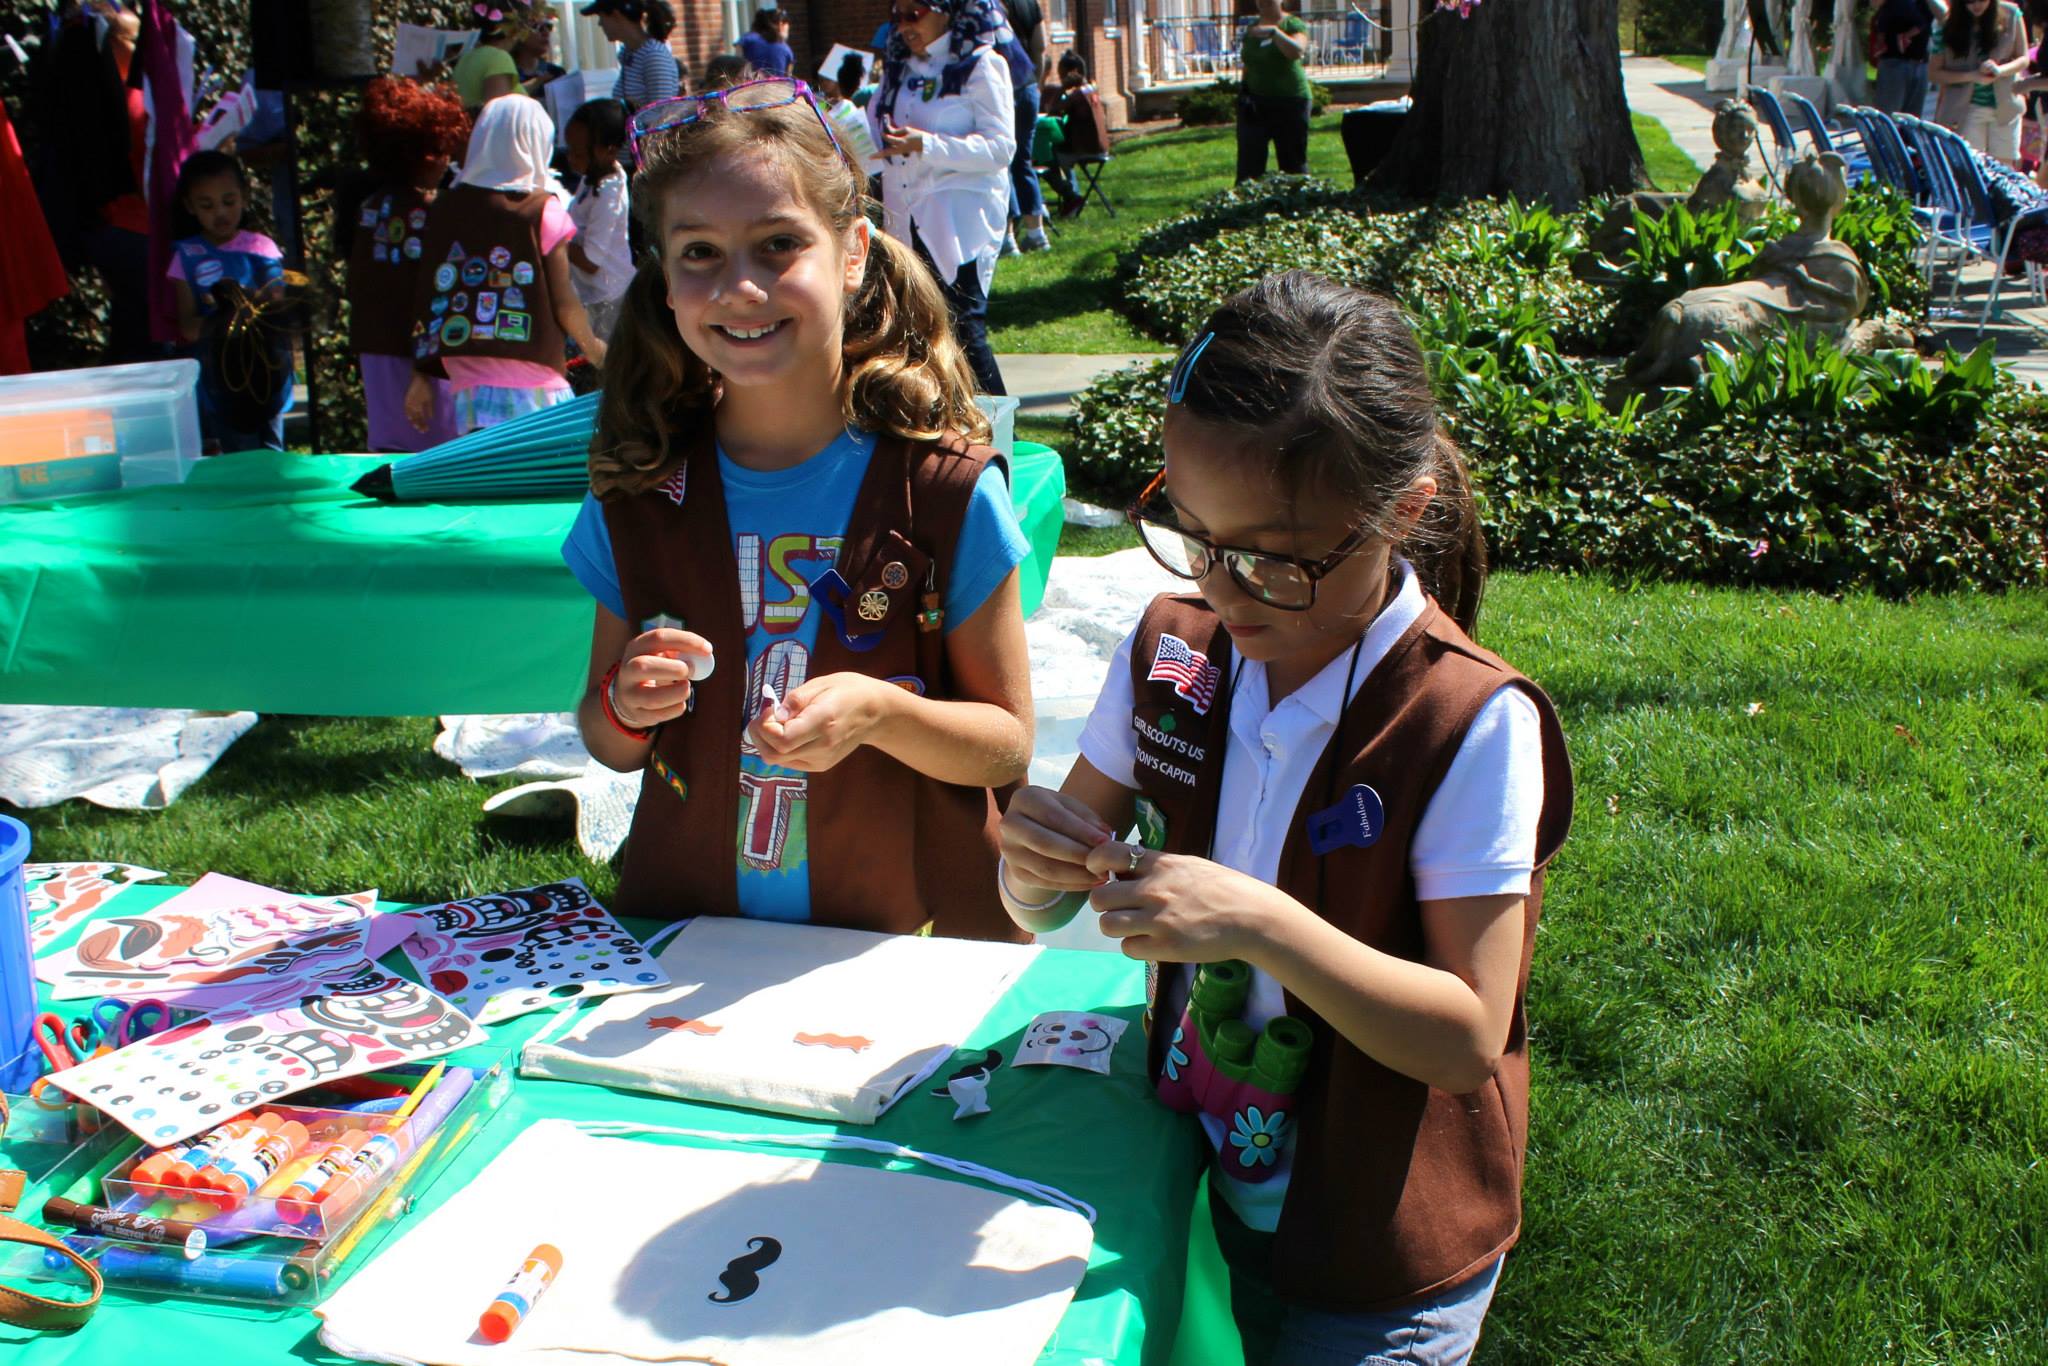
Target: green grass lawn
x=1668, y=167
x=1060, y=300
x=1790, y=1001
x=1691, y=61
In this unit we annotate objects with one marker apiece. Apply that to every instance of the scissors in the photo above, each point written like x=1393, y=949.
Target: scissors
x=118, y=1023
x=65, y=1045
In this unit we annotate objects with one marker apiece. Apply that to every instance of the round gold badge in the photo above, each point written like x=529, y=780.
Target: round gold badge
x=874, y=605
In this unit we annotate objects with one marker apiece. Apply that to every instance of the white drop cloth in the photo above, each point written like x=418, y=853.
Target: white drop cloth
x=127, y=758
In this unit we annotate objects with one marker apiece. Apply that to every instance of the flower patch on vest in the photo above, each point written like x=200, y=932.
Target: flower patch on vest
x=1188, y=669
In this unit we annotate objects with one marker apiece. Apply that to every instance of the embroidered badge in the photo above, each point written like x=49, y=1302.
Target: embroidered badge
x=1189, y=670
x=874, y=605
x=672, y=487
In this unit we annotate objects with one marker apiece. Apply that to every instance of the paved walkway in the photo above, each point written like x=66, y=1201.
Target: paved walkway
x=1677, y=98
x=1047, y=383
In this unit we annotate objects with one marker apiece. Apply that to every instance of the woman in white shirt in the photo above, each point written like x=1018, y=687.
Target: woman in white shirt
x=945, y=119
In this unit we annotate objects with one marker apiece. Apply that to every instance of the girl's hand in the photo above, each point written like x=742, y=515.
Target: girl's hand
x=1176, y=908
x=1047, y=837
x=901, y=142
x=653, y=685
x=419, y=401
x=823, y=721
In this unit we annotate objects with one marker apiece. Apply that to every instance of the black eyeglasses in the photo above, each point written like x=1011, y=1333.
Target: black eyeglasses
x=1286, y=582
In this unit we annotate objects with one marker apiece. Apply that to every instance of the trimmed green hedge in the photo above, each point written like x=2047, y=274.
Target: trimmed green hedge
x=1217, y=103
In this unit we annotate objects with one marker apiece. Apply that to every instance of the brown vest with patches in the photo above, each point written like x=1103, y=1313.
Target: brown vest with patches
x=889, y=849
x=1399, y=1190
x=384, y=270
x=482, y=289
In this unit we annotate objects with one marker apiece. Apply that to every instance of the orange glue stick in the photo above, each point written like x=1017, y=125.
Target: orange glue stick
x=520, y=1294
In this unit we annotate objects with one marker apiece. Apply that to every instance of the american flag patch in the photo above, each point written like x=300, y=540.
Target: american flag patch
x=672, y=487
x=1190, y=672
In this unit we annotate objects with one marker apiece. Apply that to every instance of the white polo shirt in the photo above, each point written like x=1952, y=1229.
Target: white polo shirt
x=1477, y=836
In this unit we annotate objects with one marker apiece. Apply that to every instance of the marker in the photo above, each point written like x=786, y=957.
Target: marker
x=132, y=1228
x=247, y=1277
x=520, y=1294
x=297, y=1202
x=412, y=1102
x=243, y=1166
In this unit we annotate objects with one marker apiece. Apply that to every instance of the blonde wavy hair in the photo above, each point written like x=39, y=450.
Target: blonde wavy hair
x=903, y=372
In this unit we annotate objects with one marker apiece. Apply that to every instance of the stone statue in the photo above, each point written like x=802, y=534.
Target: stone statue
x=1799, y=60
x=1805, y=277
x=1732, y=179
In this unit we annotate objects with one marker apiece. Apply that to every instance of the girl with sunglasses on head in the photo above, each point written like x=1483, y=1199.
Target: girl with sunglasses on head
x=807, y=632
x=1345, y=809
x=945, y=118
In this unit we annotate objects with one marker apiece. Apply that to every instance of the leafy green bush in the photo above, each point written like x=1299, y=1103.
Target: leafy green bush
x=1217, y=102
x=1112, y=449
x=1677, y=25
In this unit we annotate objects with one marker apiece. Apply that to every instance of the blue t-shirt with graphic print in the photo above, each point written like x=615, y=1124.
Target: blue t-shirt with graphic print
x=787, y=526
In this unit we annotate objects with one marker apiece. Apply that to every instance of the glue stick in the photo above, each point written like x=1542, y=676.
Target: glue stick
x=379, y=1154
x=297, y=1202
x=518, y=1297
x=181, y=1173
x=244, y=1167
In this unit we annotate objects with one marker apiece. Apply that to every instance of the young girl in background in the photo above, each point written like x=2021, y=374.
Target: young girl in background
x=1342, y=793
x=790, y=493
x=495, y=298
x=409, y=133
x=218, y=266
x=600, y=251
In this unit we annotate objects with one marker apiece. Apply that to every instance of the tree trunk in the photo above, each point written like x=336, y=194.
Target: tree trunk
x=1522, y=98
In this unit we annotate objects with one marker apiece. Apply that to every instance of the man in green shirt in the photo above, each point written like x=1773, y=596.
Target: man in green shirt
x=1273, y=106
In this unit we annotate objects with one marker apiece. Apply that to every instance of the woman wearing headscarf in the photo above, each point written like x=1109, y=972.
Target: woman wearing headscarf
x=495, y=300
x=945, y=119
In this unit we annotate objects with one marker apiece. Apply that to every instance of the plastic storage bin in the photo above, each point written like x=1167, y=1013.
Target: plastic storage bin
x=1002, y=416
x=68, y=432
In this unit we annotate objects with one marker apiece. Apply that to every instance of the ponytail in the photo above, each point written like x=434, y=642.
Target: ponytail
x=652, y=383
x=905, y=371
x=658, y=19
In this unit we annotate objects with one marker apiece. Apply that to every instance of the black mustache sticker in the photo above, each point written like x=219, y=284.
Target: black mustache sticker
x=738, y=1278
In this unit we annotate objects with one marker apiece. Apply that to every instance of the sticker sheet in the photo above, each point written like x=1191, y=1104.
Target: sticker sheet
x=62, y=894
x=500, y=956
x=181, y=1082
x=717, y=1254
x=1071, y=1038
x=223, y=942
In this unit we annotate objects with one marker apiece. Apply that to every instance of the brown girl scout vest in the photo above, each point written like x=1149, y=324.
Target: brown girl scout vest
x=1399, y=1190
x=384, y=269
x=483, y=286
x=889, y=849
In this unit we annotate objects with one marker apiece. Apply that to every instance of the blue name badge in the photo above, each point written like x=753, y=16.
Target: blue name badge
x=1356, y=820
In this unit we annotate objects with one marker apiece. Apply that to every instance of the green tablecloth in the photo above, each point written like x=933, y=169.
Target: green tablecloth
x=1101, y=1138
x=264, y=584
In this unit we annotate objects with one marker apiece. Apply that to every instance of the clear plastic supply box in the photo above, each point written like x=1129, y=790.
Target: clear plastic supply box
x=68, y=432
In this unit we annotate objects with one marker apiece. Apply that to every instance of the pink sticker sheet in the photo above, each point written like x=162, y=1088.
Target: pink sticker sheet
x=224, y=942
x=62, y=894
x=510, y=953
x=188, y=1079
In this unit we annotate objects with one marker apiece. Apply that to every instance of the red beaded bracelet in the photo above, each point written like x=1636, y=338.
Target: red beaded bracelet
x=610, y=709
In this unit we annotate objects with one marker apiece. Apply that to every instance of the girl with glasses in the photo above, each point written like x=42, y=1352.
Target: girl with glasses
x=945, y=117
x=808, y=634
x=1344, y=799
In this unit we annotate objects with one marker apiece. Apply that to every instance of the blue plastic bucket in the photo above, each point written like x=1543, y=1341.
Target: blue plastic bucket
x=19, y=1062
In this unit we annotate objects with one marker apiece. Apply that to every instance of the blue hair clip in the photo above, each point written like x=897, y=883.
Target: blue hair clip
x=1184, y=368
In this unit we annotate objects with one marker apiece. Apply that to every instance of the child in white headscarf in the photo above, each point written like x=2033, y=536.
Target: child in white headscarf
x=495, y=301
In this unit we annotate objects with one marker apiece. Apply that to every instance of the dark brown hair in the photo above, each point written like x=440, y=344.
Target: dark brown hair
x=1987, y=30
x=903, y=371
x=1331, y=382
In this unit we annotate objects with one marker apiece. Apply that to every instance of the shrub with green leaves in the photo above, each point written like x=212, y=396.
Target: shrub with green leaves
x=1112, y=450
x=1217, y=102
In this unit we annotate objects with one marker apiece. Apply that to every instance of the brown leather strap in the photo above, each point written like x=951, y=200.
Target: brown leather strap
x=24, y=1310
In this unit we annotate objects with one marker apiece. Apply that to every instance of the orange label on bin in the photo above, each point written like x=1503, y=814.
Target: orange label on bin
x=34, y=438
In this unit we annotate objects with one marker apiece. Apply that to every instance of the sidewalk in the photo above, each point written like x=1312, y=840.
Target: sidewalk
x=1045, y=384
x=1677, y=98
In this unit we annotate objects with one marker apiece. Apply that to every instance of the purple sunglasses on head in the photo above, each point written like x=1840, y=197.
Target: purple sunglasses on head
x=770, y=92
